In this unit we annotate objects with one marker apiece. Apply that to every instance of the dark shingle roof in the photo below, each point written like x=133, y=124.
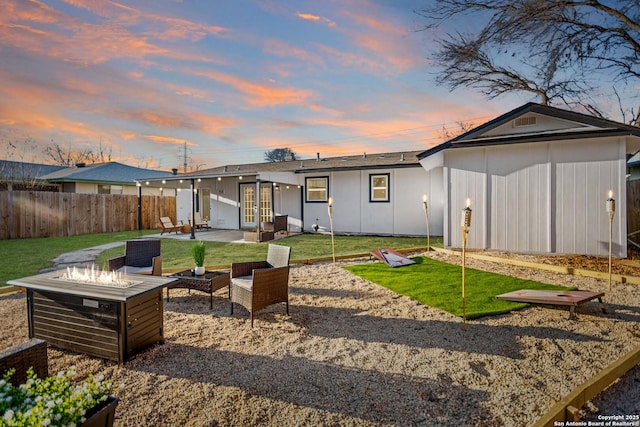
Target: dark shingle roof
x=399, y=159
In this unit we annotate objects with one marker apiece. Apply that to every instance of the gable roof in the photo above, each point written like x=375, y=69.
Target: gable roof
x=586, y=126
x=106, y=173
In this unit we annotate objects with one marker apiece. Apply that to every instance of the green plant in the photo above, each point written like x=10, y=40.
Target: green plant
x=50, y=401
x=198, y=252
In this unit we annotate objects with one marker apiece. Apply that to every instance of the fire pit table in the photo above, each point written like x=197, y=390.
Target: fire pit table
x=209, y=282
x=111, y=321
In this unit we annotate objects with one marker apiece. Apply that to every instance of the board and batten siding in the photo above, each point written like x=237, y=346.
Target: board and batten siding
x=467, y=179
x=584, y=172
x=519, y=178
x=538, y=197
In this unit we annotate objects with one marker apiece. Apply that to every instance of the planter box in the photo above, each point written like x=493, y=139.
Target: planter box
x=103, y=414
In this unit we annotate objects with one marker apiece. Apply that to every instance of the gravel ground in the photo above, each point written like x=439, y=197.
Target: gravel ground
x=355, y=354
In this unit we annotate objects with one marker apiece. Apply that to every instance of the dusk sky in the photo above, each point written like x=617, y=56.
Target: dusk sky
x=230, y=79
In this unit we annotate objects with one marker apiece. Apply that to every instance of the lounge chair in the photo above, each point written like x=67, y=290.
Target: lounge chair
x=279, y=224
x=199, y=223
x=168, y=225
x=259, y=284
x=142, y=256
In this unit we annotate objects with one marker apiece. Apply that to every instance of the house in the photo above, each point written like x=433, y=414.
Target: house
x=538, y=178
x=105, y=178
x=633, y=167
x=16, y=176
x=370, y=194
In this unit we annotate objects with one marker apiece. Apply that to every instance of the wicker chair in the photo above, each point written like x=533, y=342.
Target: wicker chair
x=259, y=284
x=21, y=357
x=141, y=256
x=279, y=224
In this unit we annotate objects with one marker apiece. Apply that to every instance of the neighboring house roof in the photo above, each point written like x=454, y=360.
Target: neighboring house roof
x=106, y=173
x=578, y=126
x=10, y=170
x=634, y=160
x=320, y=164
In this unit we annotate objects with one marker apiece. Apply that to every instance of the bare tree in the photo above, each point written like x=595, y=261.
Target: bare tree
x=550, y=49
x=461, y=127
x=17, y=173
x=279, y=155
x=68, y=157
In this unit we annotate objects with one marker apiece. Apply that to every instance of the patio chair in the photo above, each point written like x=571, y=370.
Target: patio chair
x=199, y=223
x=259, y=284
x=279, y=224
x=168, y=225
x=142, y=256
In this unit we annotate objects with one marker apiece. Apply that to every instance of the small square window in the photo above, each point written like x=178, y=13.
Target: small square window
x=379, y=188
x=317, y=189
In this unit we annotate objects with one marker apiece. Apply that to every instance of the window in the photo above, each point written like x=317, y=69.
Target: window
x=379, y=188
x=109, y=189
x=317, y=189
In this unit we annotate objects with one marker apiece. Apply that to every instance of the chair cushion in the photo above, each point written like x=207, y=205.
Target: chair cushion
x=245, y=282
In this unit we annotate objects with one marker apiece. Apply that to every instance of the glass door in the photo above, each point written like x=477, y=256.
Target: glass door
x=248, y=209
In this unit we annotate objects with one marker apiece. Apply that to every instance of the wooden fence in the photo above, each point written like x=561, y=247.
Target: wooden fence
x=633, y=208
x=28, y=214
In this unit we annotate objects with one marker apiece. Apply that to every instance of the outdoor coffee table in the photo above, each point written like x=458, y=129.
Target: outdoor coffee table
x=554, y=297
x=209, y=282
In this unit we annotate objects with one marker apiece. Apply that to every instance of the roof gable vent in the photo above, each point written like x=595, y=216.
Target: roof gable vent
x=524, y=121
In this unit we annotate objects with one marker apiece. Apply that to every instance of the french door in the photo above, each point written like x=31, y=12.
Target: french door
x=248, y=208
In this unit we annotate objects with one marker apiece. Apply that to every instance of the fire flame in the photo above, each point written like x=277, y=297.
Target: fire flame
x=95, y=275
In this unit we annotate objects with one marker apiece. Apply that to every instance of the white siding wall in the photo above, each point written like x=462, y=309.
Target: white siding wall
x=225, y=203
x=519, y=194
x=585, y=171
x=403, y=215
x=467, y=179
x=543, y=197
x=287, y=201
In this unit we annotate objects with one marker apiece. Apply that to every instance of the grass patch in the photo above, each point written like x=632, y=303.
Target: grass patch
x=25, y=257
x=438, y=284
x=177, y=253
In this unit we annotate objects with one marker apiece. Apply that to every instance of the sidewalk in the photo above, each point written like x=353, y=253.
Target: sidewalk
x=81, y=258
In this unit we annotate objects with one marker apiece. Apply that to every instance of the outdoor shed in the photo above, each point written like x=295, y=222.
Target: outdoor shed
x=538, y=178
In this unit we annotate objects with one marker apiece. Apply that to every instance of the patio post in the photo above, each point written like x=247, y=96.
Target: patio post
x=139, y=206
x=193, y=207
x=465, y=224
x=611, y=210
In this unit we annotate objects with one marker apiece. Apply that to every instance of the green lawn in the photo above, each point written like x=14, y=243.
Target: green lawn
x=438, y=284
x=25, y=257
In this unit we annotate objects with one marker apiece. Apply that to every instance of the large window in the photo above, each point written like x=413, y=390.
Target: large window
x=379, y=188
x=317, y=189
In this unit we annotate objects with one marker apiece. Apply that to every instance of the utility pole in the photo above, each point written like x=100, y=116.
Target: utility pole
x=185, y=157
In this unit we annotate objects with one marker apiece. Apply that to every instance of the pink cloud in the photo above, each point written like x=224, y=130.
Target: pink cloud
x=316, y=18
x=261, y=95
